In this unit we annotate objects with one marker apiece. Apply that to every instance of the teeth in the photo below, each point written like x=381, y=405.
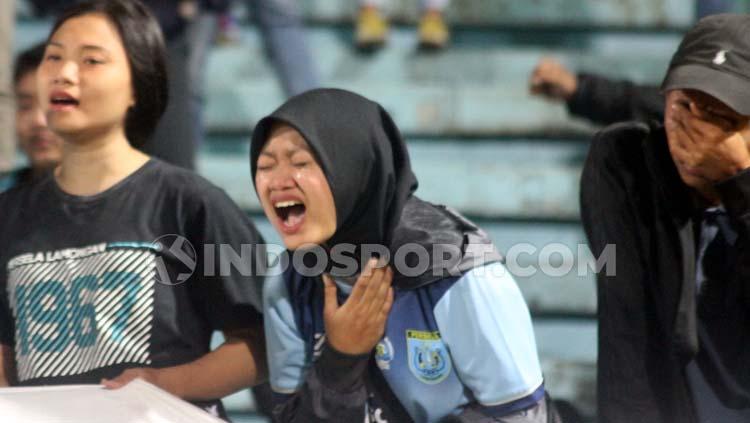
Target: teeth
x=281, y=204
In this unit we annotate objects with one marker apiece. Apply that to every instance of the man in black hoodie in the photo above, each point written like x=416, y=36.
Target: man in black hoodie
x=674, y=199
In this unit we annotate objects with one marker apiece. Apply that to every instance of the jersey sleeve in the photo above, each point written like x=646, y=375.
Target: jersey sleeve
x=231, y=262
x=484, y=321
x=285, y=347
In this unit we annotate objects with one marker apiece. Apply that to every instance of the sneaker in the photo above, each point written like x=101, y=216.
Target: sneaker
x=433, y=31
x=372, y=29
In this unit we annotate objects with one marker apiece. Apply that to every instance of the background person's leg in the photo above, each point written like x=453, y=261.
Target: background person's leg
x=200, y=36
x=176, y=139
x=285, y=38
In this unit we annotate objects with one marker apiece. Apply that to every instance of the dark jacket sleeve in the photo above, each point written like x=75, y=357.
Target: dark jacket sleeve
x=735, y=195
x=606, y=101
x=333, y=391
x=611, y=223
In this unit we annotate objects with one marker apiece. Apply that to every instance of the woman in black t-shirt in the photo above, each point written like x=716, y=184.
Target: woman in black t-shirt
x=118, y=265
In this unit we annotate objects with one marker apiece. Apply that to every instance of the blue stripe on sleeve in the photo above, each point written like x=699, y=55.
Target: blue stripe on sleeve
x=514, y=406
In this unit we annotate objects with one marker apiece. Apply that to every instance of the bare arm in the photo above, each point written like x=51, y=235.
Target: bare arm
x=240, y=362
x=7, y=366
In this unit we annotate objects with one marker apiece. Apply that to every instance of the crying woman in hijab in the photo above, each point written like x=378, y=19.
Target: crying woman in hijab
x=390, y=308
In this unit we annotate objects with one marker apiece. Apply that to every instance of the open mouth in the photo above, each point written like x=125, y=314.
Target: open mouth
x=291, y=213
x=63, y=101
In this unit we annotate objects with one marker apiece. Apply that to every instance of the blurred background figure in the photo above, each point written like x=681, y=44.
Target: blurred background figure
x=372, y=25
x=191, y=28
x=281, y=27
x=43, y=149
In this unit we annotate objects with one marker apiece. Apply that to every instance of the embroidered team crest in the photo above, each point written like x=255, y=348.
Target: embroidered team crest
x=428, y=356
x=384, y=354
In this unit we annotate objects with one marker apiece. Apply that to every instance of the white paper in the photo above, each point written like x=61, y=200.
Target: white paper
x=137, y=402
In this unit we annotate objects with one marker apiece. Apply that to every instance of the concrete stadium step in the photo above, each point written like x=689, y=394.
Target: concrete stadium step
x=656, y=14
x=597, y=13
x=509, y=179
x=478, y=87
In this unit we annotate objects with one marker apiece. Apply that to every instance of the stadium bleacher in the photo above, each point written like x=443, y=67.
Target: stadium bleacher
x=478, y=141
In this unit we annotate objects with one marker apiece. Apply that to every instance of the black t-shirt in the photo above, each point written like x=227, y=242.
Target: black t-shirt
x=136, y=276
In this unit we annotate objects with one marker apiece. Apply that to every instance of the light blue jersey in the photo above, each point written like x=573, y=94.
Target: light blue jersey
x=452, y=343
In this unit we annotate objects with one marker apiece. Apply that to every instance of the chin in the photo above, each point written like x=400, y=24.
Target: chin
x=294, y=245
x=693, y=181
x=65, y=125
x=301, y=241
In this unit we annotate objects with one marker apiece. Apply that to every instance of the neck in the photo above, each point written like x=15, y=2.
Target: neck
x=39, y=171
x=91, y=166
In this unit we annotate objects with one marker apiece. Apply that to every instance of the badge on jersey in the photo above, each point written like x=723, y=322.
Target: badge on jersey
x=428, y=357
x=384, y=354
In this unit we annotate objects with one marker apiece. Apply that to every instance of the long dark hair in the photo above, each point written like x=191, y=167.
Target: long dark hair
x=144, y=45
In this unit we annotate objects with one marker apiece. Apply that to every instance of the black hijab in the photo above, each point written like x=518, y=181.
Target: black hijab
x=367, y=166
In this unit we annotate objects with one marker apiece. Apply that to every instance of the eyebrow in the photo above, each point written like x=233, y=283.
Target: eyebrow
x=84, y=47
x=288, y=153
